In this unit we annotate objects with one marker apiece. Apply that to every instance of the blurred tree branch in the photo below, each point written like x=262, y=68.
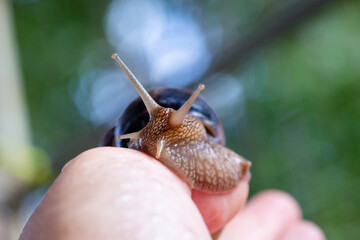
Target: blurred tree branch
x=243, y=48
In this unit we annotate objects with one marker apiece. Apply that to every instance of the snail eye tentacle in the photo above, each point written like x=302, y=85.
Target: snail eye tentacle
x=178, y=116
x=149, y=102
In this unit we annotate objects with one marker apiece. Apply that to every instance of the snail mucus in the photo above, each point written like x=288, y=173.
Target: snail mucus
x=180, y=130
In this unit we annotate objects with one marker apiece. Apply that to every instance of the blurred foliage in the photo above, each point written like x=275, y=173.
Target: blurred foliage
x=302, y=129
x=30, y=165
x=301, y=124
x=56, y=39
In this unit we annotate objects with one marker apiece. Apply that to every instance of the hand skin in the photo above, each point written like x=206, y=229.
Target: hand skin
x=116, y=193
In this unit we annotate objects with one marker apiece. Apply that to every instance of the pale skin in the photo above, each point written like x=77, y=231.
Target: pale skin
x=116, y=193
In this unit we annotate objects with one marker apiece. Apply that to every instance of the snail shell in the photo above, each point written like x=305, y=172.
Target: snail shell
x=135, y=116
x=184, y=134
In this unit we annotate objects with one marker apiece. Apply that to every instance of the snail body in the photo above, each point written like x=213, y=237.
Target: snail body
x=190, y=143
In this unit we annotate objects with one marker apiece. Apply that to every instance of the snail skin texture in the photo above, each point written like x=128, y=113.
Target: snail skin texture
x=180, y=139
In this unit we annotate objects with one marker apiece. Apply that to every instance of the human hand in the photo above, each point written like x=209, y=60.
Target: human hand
x=116, y=193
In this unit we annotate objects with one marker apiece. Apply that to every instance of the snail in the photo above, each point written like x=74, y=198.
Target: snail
x=180, y=130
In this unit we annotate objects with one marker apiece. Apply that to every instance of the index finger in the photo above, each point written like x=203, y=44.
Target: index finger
x=219, y=209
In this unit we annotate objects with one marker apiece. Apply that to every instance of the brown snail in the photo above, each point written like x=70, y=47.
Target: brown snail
x=184, y=134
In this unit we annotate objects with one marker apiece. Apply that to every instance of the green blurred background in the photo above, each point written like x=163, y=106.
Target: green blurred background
x=283, y=76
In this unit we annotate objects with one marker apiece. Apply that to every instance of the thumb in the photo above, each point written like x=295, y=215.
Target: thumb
x=115, y=193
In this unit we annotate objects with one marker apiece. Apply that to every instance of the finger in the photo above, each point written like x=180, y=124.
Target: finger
x=114, y=193
x=303, y=230
x=266, y=216
x=218, y=209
